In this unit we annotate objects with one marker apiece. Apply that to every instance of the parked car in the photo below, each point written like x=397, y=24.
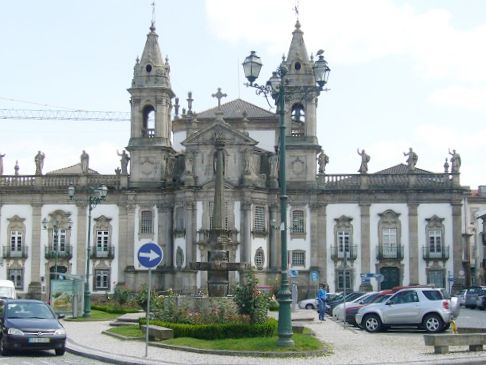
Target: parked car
x=471, y=297
x=481, y=300
x=422, y=307
x=338, y=311
x=461, y=296
x=30, y=325
x=377, y=298
x=311, y=303
x=340, y=299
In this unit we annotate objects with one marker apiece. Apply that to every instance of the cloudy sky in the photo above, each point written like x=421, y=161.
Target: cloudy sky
x=404, y=73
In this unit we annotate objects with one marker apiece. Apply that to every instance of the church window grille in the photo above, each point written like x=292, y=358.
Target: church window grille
x=146, y=224
x=344, y=278
x=298, y=258
x=59, y=240
x=259, y=219
x=298, y=223
x=389, y=242
x=259, y=258
x=15, y=241
x=435, y=241
x=343, y=242
x=102, y=240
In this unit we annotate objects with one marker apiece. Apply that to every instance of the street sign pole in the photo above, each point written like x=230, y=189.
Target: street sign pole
x=149, y=255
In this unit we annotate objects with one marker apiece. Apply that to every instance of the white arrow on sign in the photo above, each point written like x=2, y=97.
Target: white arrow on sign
x=152, y=255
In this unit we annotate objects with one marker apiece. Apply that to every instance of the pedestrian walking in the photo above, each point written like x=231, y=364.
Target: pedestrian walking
x=321, y=300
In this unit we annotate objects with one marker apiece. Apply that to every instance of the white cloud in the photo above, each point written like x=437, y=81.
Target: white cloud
x=473, y=98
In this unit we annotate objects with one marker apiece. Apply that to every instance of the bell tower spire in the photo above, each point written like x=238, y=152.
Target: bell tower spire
x=151, y=105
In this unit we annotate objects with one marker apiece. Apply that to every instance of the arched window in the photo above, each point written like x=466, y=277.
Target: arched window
x=148, y=121
x=259, y=258
x=298, y=113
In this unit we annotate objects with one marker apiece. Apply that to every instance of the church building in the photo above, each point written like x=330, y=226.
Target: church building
x=403, y=223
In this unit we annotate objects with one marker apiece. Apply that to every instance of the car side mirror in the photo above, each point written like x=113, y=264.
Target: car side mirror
x=388, y=303
x=60, y=316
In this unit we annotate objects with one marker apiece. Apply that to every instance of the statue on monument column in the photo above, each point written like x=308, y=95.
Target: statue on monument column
x=455, y=161
x=412, y=159
x=363, y=168
x=16, y=168
x=39, y=162
x=124, y=161
x=1, y=163
x=84, y=162
x=322, y=160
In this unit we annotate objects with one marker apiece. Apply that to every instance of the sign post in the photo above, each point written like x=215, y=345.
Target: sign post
x=149, y=255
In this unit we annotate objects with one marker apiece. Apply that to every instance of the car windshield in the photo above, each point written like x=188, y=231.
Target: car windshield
x=369, y=299
x=28, y=310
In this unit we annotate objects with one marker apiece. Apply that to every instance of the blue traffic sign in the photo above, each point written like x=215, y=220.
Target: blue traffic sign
x=150, y=255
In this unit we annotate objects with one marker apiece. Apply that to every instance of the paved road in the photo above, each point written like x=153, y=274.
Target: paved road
x=472, y=318
x=46, y=358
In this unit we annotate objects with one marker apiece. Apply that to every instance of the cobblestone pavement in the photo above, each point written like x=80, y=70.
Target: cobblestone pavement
x=351, y=346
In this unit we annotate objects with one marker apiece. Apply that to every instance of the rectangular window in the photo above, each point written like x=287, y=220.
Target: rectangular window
x=435, y=241
x=102, y=279
x=102, y=241
x=15, y=241
x=298, y=258
x=298, y=221
x=343, y=242
x=146, y=224
x=59, y=240
x=17, y=276
x=390, y=248
x=344, y=276
x=259, y=219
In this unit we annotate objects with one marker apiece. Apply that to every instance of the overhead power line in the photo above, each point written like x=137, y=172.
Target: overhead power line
x=50, y=114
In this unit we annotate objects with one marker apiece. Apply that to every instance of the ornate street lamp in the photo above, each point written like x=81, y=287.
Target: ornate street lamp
x=276, y=88
x=95, y=195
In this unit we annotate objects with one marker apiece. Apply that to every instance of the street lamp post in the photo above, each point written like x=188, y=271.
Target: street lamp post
x=95, y=195
x=276, y=88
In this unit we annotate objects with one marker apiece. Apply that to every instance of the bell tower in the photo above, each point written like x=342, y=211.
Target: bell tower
x=151, y=103
x=300, y=112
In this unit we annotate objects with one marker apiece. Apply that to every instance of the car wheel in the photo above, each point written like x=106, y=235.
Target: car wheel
x=3, y=349
x=61, y=351
x=433, y=323
x=309, y=306
x=372, y=323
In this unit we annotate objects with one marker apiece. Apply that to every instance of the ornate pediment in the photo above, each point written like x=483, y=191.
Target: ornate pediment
x=219, y=131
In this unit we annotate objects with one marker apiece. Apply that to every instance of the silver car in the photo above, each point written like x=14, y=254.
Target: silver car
x=422, y=307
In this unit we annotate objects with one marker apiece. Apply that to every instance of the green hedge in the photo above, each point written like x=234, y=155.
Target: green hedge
x=219, y=331
x=114, y=309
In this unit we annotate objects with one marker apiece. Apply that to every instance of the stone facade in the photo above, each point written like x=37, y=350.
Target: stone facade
x=405, y=224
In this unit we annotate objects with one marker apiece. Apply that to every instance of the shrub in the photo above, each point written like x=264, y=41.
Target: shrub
x=116, y=309
x=251, y=301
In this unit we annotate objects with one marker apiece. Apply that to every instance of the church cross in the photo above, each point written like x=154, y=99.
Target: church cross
x=219, y=95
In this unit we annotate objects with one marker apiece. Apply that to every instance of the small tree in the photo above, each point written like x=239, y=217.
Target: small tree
x=251, y=301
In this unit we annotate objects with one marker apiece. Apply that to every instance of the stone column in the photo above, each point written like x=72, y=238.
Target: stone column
x=81, y=239
x=413, y=249
x=274, y=252
x=245, y=234
x=36, y=242
x=365, y=237
x=190, y=231
x=165, y=228
x=318, y=236
x=457, y=247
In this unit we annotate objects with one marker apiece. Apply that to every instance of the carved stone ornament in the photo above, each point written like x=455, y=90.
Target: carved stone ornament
x=298, y=166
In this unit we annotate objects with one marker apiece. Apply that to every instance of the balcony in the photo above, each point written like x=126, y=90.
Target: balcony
x=337, y=254
x=389, y=252
x=53, y=253
x=441, y=254
x=103, y=252
x=21, y=253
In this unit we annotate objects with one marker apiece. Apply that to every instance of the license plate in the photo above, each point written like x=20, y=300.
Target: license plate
x=39, y=340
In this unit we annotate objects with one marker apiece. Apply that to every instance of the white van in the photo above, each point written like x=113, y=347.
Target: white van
x=7, y=289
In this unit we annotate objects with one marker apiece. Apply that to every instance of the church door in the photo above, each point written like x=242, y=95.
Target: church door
x=391, y=277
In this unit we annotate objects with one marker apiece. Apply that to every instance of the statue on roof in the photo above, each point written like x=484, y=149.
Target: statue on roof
x=365, y=158
x=322, y=160
x=84, y=162
x=39, y=162
x=1, y=163
x=455, y=161
x=124, y=161
x=412, y=159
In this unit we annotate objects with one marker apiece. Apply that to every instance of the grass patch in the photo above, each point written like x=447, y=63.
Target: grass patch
x=127, y=331
x=262, y=344
x=96, y=315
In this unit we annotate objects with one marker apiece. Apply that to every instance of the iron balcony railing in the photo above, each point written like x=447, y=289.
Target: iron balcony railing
x=103, y=252
x=389, y=252
x=439, y=253
x=351, y=253
x=53, y=252
x=16, y=253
